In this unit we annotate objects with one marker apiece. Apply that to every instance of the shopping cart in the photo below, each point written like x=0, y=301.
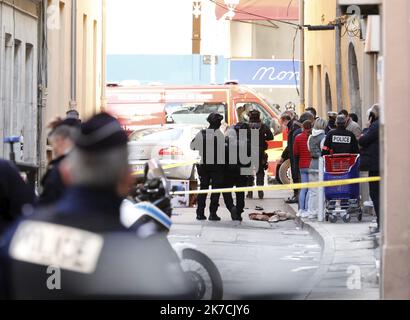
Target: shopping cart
x=342, y=200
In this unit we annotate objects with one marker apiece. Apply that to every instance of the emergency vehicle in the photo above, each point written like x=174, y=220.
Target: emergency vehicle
x=141, y=106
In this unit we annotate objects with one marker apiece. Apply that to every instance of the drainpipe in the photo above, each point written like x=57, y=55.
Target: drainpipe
x=73, y=102
x=339, y=59
x=103, y=58
x=302, y=53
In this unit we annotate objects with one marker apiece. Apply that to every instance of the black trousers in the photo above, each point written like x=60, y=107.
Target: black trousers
x=209, y=176
x=260, y=174
x=239, y=181
x=294, y=166
x=375, y=194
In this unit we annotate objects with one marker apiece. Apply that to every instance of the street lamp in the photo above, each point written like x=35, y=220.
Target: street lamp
x=197, y=8
x=231, y=4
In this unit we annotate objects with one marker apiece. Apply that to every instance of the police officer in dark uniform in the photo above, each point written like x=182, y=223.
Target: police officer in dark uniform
x=340, y=140
x=265, y=135
x=15, y=194
x=61, y=139
x=96, y=256
x=211, y=145
x=238, y=150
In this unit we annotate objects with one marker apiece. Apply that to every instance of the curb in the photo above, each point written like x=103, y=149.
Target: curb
x=327, y=244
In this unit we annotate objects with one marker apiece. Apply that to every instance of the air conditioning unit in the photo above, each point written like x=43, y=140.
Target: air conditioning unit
x=373, y=34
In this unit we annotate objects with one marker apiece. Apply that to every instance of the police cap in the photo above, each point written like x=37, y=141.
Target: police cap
x=100, y=133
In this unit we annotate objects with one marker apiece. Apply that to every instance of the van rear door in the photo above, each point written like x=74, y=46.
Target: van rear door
x=193, y=106
x=135, y=108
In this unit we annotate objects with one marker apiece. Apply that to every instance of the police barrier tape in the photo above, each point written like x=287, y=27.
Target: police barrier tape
x=310, y=185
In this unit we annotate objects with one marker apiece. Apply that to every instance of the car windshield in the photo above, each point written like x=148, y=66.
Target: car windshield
x=193, y=113
x=275, y=110
x=157, y=134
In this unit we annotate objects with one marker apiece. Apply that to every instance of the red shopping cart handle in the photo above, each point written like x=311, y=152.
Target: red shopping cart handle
x=342, y=155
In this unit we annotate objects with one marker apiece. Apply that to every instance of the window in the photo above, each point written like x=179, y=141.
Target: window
x=6, y=84
x=242, y=111
x=319, y=89
x=157, y=135
x=193, y=113
x=311, y=74
x=29, y=111
x=85, y=62
x=16, y=109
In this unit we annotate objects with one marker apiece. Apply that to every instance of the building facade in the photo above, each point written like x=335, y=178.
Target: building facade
x=341, y=63
x=75, y=64
x=19, y=21
x=52, y=59
x=396, y=148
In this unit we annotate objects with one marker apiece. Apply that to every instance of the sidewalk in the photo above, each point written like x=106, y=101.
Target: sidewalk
x=349, y=253
x=256, y=259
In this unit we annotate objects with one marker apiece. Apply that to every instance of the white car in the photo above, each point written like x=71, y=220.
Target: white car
x=170, y=145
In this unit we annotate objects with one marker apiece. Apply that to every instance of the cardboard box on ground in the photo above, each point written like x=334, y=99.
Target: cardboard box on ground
x=183, y=201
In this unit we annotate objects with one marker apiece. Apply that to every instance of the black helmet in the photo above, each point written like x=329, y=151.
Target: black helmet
x=215, y=118
x=254, y=116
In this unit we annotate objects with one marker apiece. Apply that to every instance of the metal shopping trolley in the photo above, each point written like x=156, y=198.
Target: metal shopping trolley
x=342, y=200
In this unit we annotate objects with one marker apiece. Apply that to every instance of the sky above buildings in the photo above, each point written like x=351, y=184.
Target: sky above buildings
x=149, y=27
x=161, y=27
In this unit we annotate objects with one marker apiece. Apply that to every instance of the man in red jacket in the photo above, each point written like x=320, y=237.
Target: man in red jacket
x=303, y=155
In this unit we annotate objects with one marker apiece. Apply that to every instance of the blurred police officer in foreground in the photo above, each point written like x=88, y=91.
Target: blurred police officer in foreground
x=15, y=194
x=61, y=139
x=265, y=135
x=211, y=146
x=340, y=140
x=78, y=248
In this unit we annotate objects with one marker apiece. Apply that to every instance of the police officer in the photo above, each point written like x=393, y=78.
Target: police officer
x=15, y=194
x=61, y=139
x=331, y=125
x=265, y=135
x=211, y=146
x=238, y=151
x=97, y=257
x=340, y=140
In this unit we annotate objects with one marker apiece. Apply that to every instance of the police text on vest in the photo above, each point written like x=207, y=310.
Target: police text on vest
x=342, y=139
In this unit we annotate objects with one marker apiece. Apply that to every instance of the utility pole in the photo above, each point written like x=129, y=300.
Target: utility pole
x=104, y=58
x=338, y=59
x=196, y=28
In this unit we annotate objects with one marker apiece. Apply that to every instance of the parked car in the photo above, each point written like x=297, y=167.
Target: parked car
x=170, y=145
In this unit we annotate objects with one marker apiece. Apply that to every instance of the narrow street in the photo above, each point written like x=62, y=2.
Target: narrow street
x=256, y=259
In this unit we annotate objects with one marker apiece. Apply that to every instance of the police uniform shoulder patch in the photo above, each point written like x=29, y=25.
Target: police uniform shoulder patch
x=49, y=244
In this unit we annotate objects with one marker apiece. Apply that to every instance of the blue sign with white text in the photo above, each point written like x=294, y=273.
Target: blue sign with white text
x=266, y=73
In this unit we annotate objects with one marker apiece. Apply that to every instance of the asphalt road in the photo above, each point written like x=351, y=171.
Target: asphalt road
x=255, y=259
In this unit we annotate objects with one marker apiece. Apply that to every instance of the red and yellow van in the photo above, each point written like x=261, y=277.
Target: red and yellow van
x=142, y=106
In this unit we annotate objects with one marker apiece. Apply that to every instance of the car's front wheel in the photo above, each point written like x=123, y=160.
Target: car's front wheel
x=285, y=173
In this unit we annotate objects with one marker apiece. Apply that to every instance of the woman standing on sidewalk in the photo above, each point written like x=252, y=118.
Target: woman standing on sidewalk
x=302, y=153
x=315, y=144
